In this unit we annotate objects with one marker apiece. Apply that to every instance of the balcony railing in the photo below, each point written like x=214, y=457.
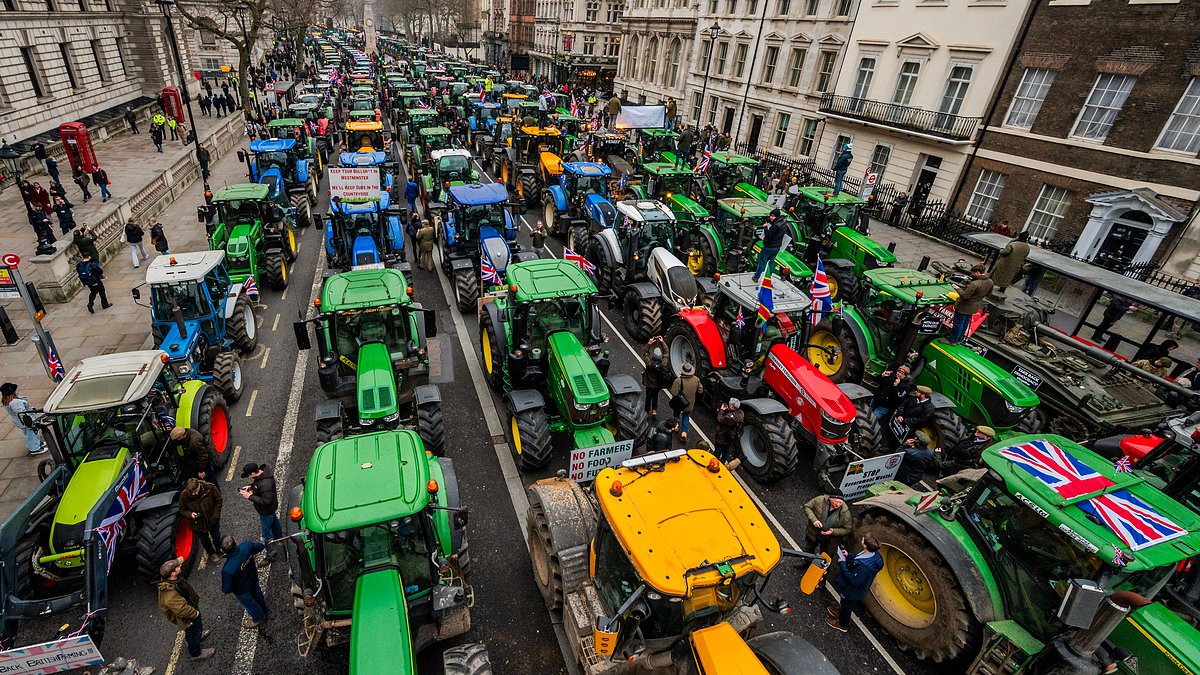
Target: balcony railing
x=919, y=120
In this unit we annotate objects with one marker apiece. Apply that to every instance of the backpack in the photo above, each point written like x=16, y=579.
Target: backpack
x=88, y=273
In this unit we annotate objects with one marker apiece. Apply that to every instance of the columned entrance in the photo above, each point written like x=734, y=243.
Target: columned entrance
x=1126, y=227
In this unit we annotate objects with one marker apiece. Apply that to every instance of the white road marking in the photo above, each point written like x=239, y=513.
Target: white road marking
x=266, y=354
x=250, y=406
x=233, y=462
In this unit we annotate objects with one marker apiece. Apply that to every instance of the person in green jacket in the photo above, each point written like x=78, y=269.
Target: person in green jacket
x=180, y=603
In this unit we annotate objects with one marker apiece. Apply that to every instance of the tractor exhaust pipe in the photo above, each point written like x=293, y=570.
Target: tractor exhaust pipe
x=177, y=316
x=1109, y=359
x=1112, y=612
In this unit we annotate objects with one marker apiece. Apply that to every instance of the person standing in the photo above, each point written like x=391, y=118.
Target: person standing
x=1033, y=277
x=133, y=236
x=898, y=205
x=91, y=275
x=18, y=405
x=664, y=435
x=100, y=178
x=52, y=169
x=240, y=578
x=85, y=243
x=202, y=158
x=261, y=492
x=672, y=112
x=66, y=216
x=970, y=300
x=82, y=180
x=39, y=152
x=654, y=377
x=40, y=198
x=131, y=119
x=173, y=126
x=683, y=147
x=893, y=389
x=912, y=413
x=612, y=109
x=730, y=421
x=180, y=603
x=158, y=238
x=425, y=241
x=156, y=135
x=854, y=582
x=410, y=196
x=538, y=236
x=200, y=505
x=1118, y=306
x=1010, y=261
x=772, y=243
x=684, y=391
x=829, y=520
x=194, y=452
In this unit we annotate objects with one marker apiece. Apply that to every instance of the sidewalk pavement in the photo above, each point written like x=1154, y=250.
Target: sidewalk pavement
x=132, y=162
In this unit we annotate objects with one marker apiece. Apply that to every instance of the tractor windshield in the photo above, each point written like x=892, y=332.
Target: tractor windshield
x=679, y=183
x=362, y=104
x=550, y=316
x=355, y=328
x=438, y=141
x=731, y=174
x=269, y=159
x=453, y=165
x=189, y=296
x=483, y=215
x=597, y=185
x=347, y=554
x=367, y=141
x=141, y=426
x=238, y=212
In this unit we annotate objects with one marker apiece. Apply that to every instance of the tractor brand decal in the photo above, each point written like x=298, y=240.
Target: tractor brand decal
x=802, y=393
x=864, y=473
x=587, y=463
x=1058, y=470
x=1032, y=507
x=349, y=364
x=1072, y=534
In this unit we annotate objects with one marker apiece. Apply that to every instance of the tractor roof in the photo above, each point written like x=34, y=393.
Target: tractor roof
x=548, y=278
x=362, y=158
x=286, y=121
x=642, y=210
x=658, y=133
x=731, y=158
x=587, y=168
x=666, y=169
x=540, y=131
x=450, y=152
x=904, y=284
x=478, y=194
x=434, y=131
x=181, y=267
x=1097, y=507
x=748, y=208
x=487, y=105
x=365, y=479
x=301, y=107
x=825, y=195
x=742, y=289
x=363, y=289
x=421, y=112
x=272, y=145
x=681, y=524
x=106, y=381
x=240, y=192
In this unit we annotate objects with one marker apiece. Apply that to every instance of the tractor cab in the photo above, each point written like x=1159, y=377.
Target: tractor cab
x=239, y=227
x=728, y=171
x=363, y=233
x=372, y=159
x=830, y=219
x=511, y=102
x=483, y=115
x=278, y=153
x=735, y=311
x=365, y=136
x=476, y=213
x=656, y=145
x=643, y=225
x=312, y=114
x=434, y=138
x=453, y=166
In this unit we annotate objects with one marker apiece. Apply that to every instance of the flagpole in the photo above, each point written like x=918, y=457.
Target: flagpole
x=42, y=340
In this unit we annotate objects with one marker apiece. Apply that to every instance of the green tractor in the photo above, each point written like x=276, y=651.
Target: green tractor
x=447, y=167
x=542, y=340
x=656, y=145
x=429, y=139
x=896, y=322
x=733, y=240
x=111, y=487
x=257, y=233
x=730, y=175
x=418, y=119
x=380, y=554
x=1032, y=563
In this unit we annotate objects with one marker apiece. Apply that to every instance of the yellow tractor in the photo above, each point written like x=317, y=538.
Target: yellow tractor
x=532, y=161
x=661, y=567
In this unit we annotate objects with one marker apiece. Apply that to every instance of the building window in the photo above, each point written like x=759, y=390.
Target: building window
x=652, y=62
x=781, y=128
x=1048, y=212
x=101, y=65
x=752, y=9
x=866, y=73
x=731, y=6
x=35, y=78
x=784, y=7
x=842, y=140
x=705, y=53
x=83, y=5
x=986, y=194
x=1027, y=102
x=879, y=161
x=612, y=45
x=713, y=102
x=956, y=89
x=593, y=11
x=795, y=67
x=207, y=39
x=1098, y=114
x=808, y=136
x=613, y=11
x=633, y=57
x=810, y=7
x=825, y=70
x=122, y=46
x=722, y=56
x=697, y=101
x=842, y=8
x=770, y=60
x=906, y=82
x=1182, y=132
x=712, y=6
x=10, y=5
x=739, y=59
x=672, y=71
x=65, y=52
x=589, y=45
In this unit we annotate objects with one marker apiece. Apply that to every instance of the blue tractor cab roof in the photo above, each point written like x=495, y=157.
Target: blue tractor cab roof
x=487, y=104
x=478, y=194
x=362, y=158
x=587, y=168
x=272, y=145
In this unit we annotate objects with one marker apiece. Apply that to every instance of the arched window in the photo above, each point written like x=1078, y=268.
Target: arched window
x=671, y=72
x=631, y=58
x=652, y=60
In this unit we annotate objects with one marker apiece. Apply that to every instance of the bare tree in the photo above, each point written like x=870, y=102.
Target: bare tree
x=212, y=17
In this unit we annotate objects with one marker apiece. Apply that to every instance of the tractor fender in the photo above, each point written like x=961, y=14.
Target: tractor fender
x=644, y=290
x=449, y=497
x=426, y=394
x=499, y=322
x=158, y=501
x=708, y=285
x=608, y=240
x=231, y=297
x=855, y=392
x=600, y=210
x=302, y=170
x=461, y=264
x=638, y=191
x=714, y=240
x=559, y=196
x=395, y=234
x=522, y=256
x=706, y=331
x=941, y=401
x=328, y=411
x=984, y=605
x=329, y=250
x=521, y=400
x=855, y=324
x=622, y=384
x=189, y=403
x=765, y=406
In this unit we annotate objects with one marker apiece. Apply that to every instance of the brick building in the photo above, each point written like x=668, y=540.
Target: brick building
x=522, y=22
x=1093, y=140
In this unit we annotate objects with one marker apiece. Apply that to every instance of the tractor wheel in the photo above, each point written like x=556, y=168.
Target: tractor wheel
x=709, y=264
x=23, y=561
x=288, y=239
x=866, y=434
x=227, y=375
x=493, y=356
x=560, y=554
x=1032, y=423
x=530, y=191
x=468, y=659
x=847, y=364
x=1071, y=427
x=643, y=317
x=531, y=442
x=684, y=347
x=242, y=326
x=213, y=422
x=843, y=285
x=789, y=654
x=466, y=289
x=916, y=598
x=550, y=215
x=164, y=535
x=275, y=271
x=945, y=428
x=310, y=188
x=768, y=447
x=577, y=236
x=303, y=209
x=328, y=432
x=595, y=253
x=633, y=422
x=431, y=428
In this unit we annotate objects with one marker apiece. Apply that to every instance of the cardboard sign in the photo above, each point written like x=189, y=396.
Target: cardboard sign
x=587, y=463
x=354, y=183
x=1030, y=378
x=864, y=473
x=51, y=657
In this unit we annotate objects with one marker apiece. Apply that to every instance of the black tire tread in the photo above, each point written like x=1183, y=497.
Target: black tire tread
x=468, y=659
x=784, y=456
x=466, y=289
x=949, y=426
x=223, y=368
x=495, y=379
x=431, y=427
x=237, y=326
x=633, y=422
x=156, y=542
x=536, y=443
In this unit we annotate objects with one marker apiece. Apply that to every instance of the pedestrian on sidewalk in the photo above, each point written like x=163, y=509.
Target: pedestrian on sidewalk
x=156, y=135
x=854, y=582
x=85, y=242
x=131, y=119
x=66, y=217
x=410, y=195
x=898, y=205
x=172, y=125
x=18, y=405
x=39, y=152
x=133, y=236
x=100, y=178
x=239, y=577
x=180, y=603
x=92, y=275
x=262, y=494
x=205, y=105
x=82, y=180
x=730, y=422
x=202, y=157
x=425, y=240
x=219, y=104
x=40, y=198
x=684, y=391
x=57, y=191
x=195, y=453
x=200, y=505
x=157, y=238
x=52, y=170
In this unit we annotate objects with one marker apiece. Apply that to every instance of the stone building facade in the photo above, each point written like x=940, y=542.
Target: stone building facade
x=577, y=42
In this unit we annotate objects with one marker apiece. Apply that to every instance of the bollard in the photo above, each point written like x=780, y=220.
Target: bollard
x=6, y=327
x=924, y=263
x=892, y=246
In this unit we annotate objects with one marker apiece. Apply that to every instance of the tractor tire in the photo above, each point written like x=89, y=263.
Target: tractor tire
x=466, y=289
x=577, y=236
x=643, y=317
x=847, y=365
x=310, y=189
x=163, y=535
x=431, y=427
x=684, y=347
x=843, y=285
x=213, y=423
x=633, y=422
x=789, y=654
x=299, y=202
x=710, y=263
x=550, y=215
x=559, y=555
x=288, y=239
x=23, y=561
x=595, y=253
x=468, y=659
x=529, y=190
x=493, y=356
x=242, y=326
x=945, y=428
x=227, y=375
x=767, y=446
x=915, y=597
x=866, y=434
x=532, y=445
x=328, y=432
x=1032, y=423
x=275, y=273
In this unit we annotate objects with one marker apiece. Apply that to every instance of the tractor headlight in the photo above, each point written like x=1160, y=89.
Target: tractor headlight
x=184, y=368
x=1013, y=408
x=604, y=403
x=365, y=422
x=582, y=406
x=393, y=417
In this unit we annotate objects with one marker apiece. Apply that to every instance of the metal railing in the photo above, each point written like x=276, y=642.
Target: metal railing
x=919, y=120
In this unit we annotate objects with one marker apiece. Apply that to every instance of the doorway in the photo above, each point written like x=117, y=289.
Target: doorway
x=923, y=184
x=727, y=121
x=1125, y=238
x=756, y=122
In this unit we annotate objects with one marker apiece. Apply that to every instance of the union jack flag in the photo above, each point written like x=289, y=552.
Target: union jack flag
x=54, y=364
x=766, y=301
x=488, y=273
x=1133, y=521
x=574, y=107
x=251, y=288
x=702, y=165
x=582, y=262
x=822, y=303
x=621, y=183
x=1060, y=471
x=482, y=94
x=1123, y=465
x=740, y=321
x=133, y=490
x=423, y=105
x=1121, y=558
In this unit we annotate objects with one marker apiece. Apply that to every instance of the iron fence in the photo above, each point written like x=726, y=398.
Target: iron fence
x=944, y=125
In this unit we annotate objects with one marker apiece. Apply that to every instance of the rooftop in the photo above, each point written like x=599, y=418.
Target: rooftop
x=107, y=380
x=181, y=267
x=362, y=289
x=547, y=278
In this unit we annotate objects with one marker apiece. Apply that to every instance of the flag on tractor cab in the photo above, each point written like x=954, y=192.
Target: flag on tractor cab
x=574, y=107
x=766, y=301
x=822, y=304
x=482, y=94
x=582, y=262
x=488, y=273
x=702, y=165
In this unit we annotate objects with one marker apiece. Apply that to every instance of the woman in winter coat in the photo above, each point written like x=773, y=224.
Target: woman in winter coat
x=158, y=238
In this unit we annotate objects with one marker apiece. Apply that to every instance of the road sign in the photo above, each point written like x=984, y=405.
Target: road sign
x=586, y=463
x=10, y=260
x=51, y=657
x=868, y=185
x=354, y=183
x=8, y=286
x=864, y=473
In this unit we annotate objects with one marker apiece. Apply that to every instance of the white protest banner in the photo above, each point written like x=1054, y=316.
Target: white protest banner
x=864, y=473
x=354, y=183
x=51, y=657
x=642, y=117
x=586, y=463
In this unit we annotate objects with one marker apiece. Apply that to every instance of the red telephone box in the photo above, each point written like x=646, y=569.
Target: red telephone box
x=172, y=103
x=77, y=141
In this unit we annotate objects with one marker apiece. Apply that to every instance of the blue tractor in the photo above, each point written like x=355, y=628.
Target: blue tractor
x=578, y=203
x=482, y=117
x=477, y=239
x=363, y=234
x=288, y=160
x=202, y=319
x=387, y=169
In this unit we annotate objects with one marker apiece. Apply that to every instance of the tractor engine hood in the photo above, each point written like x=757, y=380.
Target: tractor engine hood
x=375, y=386
x=672, y=277
x=379, y=630
x=600, y=209
x=91, y=481
x=494, y=248
x=822, y=407
x=179, y=347
x=572, y=369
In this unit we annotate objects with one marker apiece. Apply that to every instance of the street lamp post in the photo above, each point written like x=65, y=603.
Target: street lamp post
x=713, y=31
x=45, y=244
x=165, y=6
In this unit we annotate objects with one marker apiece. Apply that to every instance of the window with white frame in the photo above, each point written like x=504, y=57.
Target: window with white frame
x=810, y=7
x=652, y=61
x=752, y=8
x=671, y=76
x=986, y=195
x=1103, y=104
x=906, y=82
x=722, y=56
x=866, y=73
x=712, y=6
x=739, y=59
x=207, y=39
x=697, y=101
x=795, y=66
x=731, y=6
x=613, y=10
x=633, y=57
x=783, y=7
x=1182, y=132
x=713, y=103
x=781, y=128
x=825, y=71
x=956, y=89
x=589, y=45
x=101, y=64
x=612, y=46
x=808, y=136
x=1027, y=102
x=842, y=8
x=880, y=157
x=593, y=11
x=842, y=140
x=1048, y=212
x=770, y=60
x=705, y=52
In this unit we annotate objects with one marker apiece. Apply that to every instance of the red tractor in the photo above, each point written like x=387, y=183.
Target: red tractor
x=783, y=395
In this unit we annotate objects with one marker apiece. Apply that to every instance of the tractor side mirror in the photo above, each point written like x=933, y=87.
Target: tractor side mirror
x=241, y=154
x=430, y=319
x=202, y=214
x=302, y=339
x=137, y=293
x=460, y=518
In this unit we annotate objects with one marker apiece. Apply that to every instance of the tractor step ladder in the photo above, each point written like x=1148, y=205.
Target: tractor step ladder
x=1008, y=649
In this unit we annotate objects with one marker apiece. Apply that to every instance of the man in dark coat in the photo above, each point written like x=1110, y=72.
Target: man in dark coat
x=262, y=493
x=730, y=421
x=91, y=275
x=664, y=434
x=239, y=577
x=914, y=411
x=195, y=453
x=85, y=242
x=854, y=582
x=1010, y=261
x=1118, y=306
x=970, y=300
x=891, y=391
x=966, y=453
x=918, y=457
x=200, y=504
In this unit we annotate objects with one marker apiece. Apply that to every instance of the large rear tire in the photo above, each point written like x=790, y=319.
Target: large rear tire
x=242, y=326
x=767, y=446
x=684, y=347
x=633, y=422
x=275, y=273
x=577, y=235
x=550, y=215
x=299, y=201
x=164, y=535
x=1032, y=423
x=466, y=289
x=227, y=375
x=559, y=555
x=843, y=285
x=531, y=442
x=844, y=366
x=945, y=428
x=916, y=598
x=468, y=659
x=431, y=427
x=643, y=316
x=212, y=421
x=530, y=191
x=595, y=252
x=493, y=356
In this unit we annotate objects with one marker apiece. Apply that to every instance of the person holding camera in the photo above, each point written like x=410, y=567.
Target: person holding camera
x=262, y=493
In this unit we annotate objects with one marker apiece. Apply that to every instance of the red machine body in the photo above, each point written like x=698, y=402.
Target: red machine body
x=822, y=407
